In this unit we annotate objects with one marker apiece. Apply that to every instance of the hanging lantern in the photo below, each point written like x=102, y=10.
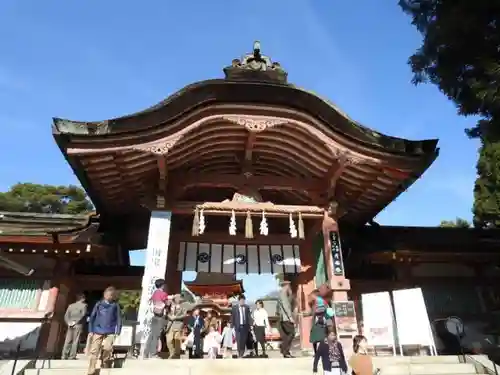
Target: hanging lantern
x=232, y=224
x=264, y=229
x=201, y=223
x=293, y=229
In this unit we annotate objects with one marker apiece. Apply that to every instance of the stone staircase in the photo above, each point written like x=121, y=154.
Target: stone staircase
x=441, y=365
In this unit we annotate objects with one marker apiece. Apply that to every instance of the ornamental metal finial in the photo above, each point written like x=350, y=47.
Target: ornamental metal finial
x=256, y=66
x=256, y=49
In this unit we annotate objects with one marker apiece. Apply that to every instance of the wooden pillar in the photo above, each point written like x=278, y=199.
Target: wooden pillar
x=337, y=280
x=305, y=285
x=339, y=284
x=173, y=276
x=52, y=332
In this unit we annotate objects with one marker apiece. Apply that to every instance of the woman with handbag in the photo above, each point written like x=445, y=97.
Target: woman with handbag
x=261, y=326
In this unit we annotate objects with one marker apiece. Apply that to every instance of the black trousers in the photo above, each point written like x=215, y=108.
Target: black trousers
x=241, y=338
x=197, y=350
x=260, y=336
x=287, y=334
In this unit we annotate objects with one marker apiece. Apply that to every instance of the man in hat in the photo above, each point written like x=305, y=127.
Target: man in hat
x=286, y=318
x=175, y=324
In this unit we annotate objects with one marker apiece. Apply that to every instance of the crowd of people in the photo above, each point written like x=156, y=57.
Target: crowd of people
x=245, y=331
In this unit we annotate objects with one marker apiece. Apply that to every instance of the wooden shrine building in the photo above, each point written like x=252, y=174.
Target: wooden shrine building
x=242, y=174
x=215, y=291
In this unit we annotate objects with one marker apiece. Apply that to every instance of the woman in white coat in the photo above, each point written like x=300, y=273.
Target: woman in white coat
x=260, y=327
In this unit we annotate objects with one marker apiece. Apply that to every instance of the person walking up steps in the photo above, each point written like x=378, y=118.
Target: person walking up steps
x=105, y=324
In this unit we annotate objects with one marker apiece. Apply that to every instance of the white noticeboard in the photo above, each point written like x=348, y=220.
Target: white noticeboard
x=125, y=339
x=378, y=319
x=413, y=326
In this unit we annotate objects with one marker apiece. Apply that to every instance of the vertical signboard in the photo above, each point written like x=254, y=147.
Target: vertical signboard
x=338, y=263
x=412, y=321
x=154, y=269
x=378, y=319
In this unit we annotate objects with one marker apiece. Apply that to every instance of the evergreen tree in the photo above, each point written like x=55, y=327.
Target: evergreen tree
x=457, y=223
x=29, y=197
x=460, y=54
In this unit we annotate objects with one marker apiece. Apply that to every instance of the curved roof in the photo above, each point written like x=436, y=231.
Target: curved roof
x=214, y=91
x=201, y=133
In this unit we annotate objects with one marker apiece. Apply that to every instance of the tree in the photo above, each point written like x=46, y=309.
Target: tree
x=457, y=223
x=28, y=197
x=460, y=54
x=129, y=301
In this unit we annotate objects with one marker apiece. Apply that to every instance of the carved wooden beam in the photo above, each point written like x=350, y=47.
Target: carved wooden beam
x=246, y=164
x=241, y=209
x=185, y=181
x=334, y=174
x=162, y=179
x=223, y=238
x=254, y=125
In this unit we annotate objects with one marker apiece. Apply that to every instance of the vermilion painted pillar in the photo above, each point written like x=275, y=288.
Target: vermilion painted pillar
x=305, y=285
x=52, y=332
x=334, y=267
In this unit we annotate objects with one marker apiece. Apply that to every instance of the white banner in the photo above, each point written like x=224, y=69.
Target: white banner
x=154, y=269
x=411, y=318
x=247, y=259
x=378, y=319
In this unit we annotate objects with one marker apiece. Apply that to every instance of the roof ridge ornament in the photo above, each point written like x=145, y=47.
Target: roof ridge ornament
x=255, y=66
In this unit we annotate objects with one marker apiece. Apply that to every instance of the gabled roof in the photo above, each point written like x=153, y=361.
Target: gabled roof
x=122, y=161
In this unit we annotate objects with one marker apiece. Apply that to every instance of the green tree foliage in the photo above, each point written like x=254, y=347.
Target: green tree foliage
x=457, y=223
x=28, y=197
x=129, y=301
x=460, y=54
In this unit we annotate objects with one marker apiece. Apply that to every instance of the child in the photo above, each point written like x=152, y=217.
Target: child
x=104, y=324
x=212, y=342
x=227, y=340
x=332, y=356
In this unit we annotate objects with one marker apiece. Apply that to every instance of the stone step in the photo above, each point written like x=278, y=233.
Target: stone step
x=429, y=369
x=378, y=361
x=398, y=366
x=393, y=360
x=58, y=364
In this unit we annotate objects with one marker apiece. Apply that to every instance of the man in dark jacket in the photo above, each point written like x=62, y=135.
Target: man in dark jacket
x=195, y=326
x=74, y=318
x=105, y=324
x=241, y=320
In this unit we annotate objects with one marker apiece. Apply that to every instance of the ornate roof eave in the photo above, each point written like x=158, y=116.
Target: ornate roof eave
x=37, y=224
x=216, y=91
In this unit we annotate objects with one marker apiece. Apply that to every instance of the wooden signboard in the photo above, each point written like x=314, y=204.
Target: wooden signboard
x=345, y=318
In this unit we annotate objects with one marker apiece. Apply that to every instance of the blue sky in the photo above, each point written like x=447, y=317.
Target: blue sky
x=93, y=60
